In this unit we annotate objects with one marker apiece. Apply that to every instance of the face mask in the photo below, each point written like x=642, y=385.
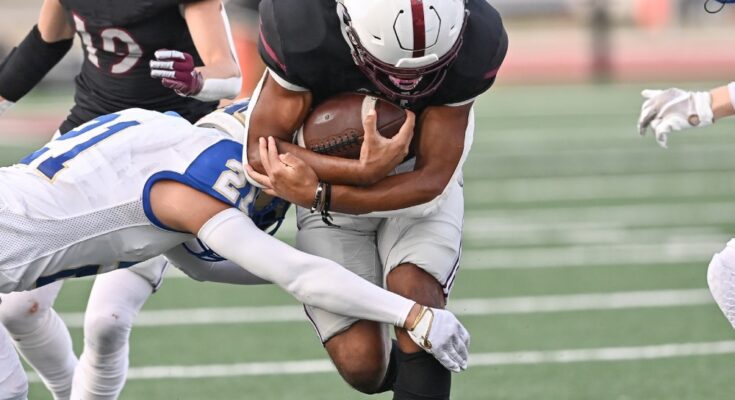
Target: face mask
x=712, y=7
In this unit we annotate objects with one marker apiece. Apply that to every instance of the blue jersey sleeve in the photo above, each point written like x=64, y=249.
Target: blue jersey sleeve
x=217, y=171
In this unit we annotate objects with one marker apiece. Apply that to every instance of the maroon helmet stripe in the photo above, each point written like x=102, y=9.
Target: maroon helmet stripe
x=419, y=29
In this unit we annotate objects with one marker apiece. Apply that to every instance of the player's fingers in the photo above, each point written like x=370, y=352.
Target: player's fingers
x=369, y=125
x=263, y=180
x=273, y=158
x=648, y=113
x=650, y=93
x=263, y=151
x=173, y=84
x=292, y=160
x=162, y=73
x=165, y=65
x=406, y=131
x=165, y=54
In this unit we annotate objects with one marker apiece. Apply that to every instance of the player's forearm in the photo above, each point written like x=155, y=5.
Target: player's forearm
x=392, y=193
x=341, y=171
x=723, y=101
x=312, y=280
x=209, y=28
x=210, y=271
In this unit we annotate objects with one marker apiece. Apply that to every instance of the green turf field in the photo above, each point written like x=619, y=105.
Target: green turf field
x=583, y=272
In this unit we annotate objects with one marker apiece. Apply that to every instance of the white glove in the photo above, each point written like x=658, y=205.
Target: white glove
x=673, y=110
x=4, y=105
x=439, y=333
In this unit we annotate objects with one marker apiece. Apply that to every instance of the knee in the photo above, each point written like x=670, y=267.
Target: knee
x=107, y=331
x=361, y=363
x=23, y=317
x=364, y=372
x=414, y=283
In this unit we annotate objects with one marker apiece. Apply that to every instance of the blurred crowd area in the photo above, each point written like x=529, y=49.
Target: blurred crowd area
x=551, y=40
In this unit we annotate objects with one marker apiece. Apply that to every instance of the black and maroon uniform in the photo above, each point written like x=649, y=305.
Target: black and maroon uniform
x=119, y=39
x=302, y=42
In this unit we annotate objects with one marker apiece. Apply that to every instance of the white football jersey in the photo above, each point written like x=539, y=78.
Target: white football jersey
x=79, y=205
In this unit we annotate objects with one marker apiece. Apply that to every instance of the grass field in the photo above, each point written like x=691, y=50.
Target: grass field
x=583, y=274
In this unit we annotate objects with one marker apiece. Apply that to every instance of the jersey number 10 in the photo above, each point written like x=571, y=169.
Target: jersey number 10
x=131, y=55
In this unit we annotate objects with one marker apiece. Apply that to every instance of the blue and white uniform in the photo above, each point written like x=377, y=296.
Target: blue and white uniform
x=82, y=199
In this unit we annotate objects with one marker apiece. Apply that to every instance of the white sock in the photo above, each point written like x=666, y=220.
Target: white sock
x=40, y=336
x=114, y=302
x=13, y=382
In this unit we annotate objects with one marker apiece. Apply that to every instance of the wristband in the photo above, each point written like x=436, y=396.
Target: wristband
x=326, y=216
x=731, y=86
x=214, y=89
x=28, y=63
x=316, y=205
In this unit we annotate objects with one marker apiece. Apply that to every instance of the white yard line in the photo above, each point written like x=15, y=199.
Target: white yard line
x=603, y=354
x=591, y=255
x=487, y=306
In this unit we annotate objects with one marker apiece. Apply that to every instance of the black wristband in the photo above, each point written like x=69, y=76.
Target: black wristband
x=28, y=63
x=326, y=217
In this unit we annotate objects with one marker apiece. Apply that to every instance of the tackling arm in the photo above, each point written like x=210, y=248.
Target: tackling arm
x=44, y=47
x=312, y=280
x=224, y=271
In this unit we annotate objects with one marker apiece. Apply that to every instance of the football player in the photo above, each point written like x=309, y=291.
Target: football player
x=666, y=111
x=149, y=181
x=161, y=55
x=434, y=57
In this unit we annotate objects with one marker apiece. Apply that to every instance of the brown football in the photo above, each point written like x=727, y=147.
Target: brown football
x=335, y=126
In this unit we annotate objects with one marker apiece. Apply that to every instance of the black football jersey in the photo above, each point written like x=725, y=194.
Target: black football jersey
x=119, y=39
x=302, y=42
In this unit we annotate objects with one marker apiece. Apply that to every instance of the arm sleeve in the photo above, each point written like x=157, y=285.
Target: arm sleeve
x=28, y=63
x=210, y=271
x=312, y=280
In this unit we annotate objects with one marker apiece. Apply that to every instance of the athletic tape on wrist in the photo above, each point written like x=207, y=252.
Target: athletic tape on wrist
x=215, y=89
x=28, y=63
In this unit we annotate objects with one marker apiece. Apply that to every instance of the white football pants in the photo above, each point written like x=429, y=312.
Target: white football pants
x=13, y=382
x=41, y=337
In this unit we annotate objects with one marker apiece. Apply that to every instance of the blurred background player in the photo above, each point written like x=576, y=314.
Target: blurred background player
x=244, y=17
x=432, y=57
x=160, y=55
x=671, y=110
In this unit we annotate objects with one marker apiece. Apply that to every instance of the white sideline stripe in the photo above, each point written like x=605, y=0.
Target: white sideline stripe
x=603, y=354
x=491, y=306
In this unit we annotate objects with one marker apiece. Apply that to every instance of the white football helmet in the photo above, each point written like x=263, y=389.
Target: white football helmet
x=405, y=47
x=229, y=119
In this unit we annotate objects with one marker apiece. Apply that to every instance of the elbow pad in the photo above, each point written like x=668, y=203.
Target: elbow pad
x=28, y=63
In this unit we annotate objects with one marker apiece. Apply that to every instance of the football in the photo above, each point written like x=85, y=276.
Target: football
x=335, y=126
